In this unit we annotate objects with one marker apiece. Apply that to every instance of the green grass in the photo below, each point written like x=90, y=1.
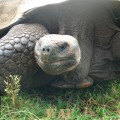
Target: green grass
x=99, y=102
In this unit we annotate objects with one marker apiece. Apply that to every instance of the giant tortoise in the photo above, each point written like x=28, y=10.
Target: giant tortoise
x=75, y=43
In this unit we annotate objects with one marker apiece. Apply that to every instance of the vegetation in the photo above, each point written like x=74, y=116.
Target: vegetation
x=99, y=102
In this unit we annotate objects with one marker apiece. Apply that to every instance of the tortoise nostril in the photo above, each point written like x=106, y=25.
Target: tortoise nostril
x=43, y=49
x=48, y=49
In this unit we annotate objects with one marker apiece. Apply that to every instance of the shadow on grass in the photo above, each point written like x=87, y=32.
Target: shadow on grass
x=50, y=94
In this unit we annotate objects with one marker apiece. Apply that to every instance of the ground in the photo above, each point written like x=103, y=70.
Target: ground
x=99, y=102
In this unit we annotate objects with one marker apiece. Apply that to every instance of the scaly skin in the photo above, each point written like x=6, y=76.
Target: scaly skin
x=17, y=53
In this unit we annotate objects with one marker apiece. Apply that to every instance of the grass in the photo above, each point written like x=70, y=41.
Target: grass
x=99, y=102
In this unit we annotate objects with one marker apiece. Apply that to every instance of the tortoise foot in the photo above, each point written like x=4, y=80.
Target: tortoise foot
x=61, y=84
x=64, y=84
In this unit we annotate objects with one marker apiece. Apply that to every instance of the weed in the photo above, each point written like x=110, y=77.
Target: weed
x=12, y=87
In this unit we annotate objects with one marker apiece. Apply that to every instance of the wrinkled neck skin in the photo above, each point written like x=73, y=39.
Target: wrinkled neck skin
x=80, y=27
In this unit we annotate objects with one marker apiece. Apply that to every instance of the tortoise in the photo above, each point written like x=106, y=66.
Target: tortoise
x=73, y=47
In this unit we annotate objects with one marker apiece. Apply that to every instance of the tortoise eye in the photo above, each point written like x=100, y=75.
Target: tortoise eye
x=63, y=47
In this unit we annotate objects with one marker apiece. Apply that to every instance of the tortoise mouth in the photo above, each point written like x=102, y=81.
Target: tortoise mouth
x=58, y=67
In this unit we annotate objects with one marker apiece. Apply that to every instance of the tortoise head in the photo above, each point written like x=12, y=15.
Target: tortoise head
x=57, y=54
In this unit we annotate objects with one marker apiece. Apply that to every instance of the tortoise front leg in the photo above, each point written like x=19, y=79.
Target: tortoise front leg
x=74, y=79
x=88, y=81
x=17, y=51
